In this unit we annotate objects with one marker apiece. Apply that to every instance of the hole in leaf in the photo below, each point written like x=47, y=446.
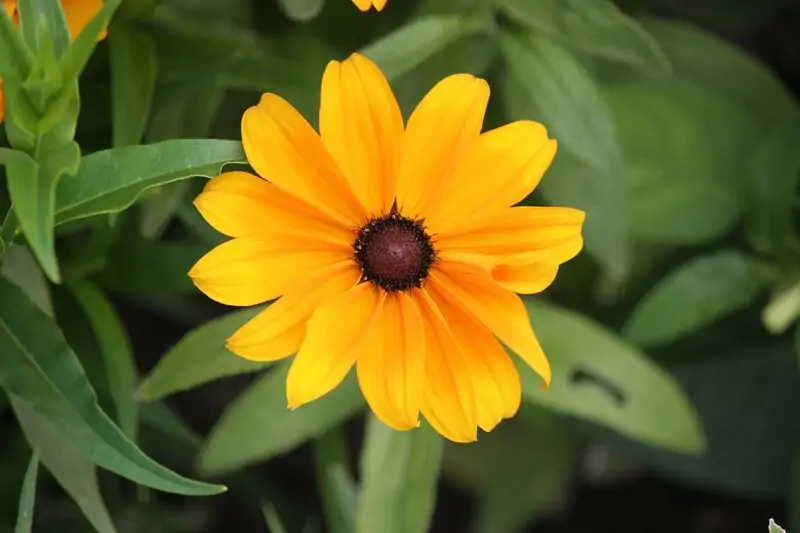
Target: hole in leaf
x=582, y=376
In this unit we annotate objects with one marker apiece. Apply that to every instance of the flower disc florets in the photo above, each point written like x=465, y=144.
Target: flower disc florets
x=394, y=252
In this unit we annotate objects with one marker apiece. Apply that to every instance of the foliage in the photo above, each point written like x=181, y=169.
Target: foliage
x=670, y=337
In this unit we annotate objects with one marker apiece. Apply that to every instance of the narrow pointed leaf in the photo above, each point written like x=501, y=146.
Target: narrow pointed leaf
x=233, y=443
x=133, y=61
x=27, y=497
x=199, y=357
x=111, y=180
x=116, y=349
x=40, y=367
x=76, y=474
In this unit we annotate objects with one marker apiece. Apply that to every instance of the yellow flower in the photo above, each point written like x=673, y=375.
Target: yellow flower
x=365, y=5
x=78, y=14
x=391, y=248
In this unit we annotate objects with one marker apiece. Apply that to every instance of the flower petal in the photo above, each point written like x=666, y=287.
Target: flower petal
x=362, y=127
x=498, y=391
x=391, y=362
x=239, y=204
x=500, y=310
x=448, y=396
x=528, y=278
x=273, y=334
x=284, y=149
x=252, y=270
x=553, y=233
x=445, y=124
x=79, y=13
x=503, y=167
x=333, y=335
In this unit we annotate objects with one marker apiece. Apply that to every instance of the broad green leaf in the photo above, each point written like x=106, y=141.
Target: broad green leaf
x=32, y=187
x=519, y=472
x=111, y=180
x=27, y=496
x=597, y=27
x=399, y=475
x=134, y=68
x=234, y=444
x=116, y=349
x=152, y=267
x=301, y=10
x=695, y=295
x=200, y=357
x=686, y=150
x=774, y=173
x=76, y=475
x=39, y=366
x=757, y=89
x=20, y=267
x=600, y=377
x=563, y=94
x=544, y=82
x=335, y=481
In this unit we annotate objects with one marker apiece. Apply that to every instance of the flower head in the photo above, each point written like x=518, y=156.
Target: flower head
x=391, y=248
x=78, y=14
x=365, y=5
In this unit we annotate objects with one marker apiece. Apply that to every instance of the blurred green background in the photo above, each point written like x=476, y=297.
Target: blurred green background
x=672, y=336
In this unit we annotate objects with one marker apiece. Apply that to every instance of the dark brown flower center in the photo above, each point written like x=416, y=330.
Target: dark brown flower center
x=394, y=252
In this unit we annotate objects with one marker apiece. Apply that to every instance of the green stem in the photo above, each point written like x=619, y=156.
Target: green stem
x=335, y=481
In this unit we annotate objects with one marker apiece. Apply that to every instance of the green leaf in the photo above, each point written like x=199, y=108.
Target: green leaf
x=403, y=50
x=111, y=180
x=17, y=63
x=399, y=473
x=695, y=295
x=774, y=173
x=600, y=377
x=418, y=55
x=134, y=69
x=39, y=366
x=32, y=187
x=76, y=475
x=544, y=82
x=20, y=267
x=152, y=267
x=116, y=349
x=686, y=150
x=597, y=27
x=27, y=497
x=565, y=97
x=200, y=357
x=335, y=481
x=757, y=89
x=233, y=444
x=44, y=21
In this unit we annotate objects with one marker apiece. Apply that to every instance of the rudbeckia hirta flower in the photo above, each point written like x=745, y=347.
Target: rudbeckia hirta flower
x=391, y=248
x=365, y=5
x=78, y=14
